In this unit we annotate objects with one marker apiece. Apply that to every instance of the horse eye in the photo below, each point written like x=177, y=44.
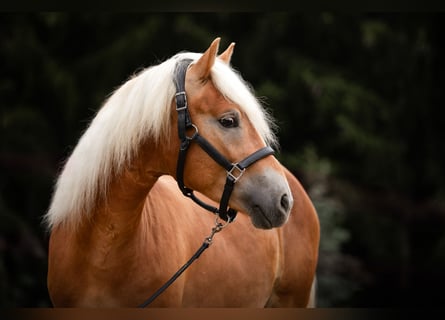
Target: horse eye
x=229, y=122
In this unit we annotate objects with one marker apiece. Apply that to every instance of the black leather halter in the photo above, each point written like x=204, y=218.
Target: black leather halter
x=234, y=170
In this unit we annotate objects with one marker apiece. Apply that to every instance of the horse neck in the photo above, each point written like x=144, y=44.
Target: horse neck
x=121, y=209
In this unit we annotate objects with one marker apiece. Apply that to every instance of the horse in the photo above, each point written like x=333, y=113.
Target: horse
x=121, y=219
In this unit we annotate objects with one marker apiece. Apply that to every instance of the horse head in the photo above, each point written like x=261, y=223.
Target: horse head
x=223, y=111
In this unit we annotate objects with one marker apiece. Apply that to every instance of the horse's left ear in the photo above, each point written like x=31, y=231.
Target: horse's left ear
x=227, y=55
x=202, y=67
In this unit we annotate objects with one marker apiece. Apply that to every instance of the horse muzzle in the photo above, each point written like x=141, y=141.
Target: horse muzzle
x=266, y=198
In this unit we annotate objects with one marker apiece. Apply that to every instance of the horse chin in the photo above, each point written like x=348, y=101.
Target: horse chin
x=262, y=220
x=266, y=198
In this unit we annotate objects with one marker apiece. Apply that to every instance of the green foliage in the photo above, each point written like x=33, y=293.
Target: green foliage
x=334, y=282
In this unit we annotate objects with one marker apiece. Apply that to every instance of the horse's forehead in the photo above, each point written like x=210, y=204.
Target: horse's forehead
x=209, y=99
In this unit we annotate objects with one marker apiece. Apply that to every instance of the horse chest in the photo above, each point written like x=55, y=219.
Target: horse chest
x=234, y=273
x=239, y=269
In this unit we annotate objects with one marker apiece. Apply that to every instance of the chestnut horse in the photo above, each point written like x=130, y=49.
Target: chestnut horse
x=120, y=226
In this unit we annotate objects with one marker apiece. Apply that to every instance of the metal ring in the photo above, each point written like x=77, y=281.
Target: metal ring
x=193, y=136
x=222, y=225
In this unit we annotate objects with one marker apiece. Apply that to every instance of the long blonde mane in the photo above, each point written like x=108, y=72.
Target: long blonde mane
x=137, y=110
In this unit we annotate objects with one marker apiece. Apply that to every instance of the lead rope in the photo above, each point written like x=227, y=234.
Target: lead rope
x=207, y=242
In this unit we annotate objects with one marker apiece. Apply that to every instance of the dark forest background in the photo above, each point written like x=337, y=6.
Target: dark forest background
x=359, y=100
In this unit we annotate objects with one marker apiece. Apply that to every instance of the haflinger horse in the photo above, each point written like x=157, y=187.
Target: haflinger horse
x=121, y=220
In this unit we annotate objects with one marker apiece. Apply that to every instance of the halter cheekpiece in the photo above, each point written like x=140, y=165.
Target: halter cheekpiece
x=234, y=170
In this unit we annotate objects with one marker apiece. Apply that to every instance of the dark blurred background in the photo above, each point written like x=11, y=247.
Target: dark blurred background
x=359, y=100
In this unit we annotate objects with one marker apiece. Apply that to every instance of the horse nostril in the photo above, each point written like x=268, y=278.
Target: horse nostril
x=285, y=202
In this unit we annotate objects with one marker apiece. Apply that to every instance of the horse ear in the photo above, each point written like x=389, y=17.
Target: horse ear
x=203, y=66
x=227, y=55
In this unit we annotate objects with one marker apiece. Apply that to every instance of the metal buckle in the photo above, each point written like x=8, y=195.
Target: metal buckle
x=185, y=101
x=232, y=175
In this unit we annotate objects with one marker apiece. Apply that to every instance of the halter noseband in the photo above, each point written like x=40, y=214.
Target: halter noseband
x=234, y=170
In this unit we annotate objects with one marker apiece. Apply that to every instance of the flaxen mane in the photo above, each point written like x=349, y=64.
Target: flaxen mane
x=138, y=109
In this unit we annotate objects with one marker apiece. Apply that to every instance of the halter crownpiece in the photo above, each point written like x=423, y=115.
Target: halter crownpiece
x=234, y=170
